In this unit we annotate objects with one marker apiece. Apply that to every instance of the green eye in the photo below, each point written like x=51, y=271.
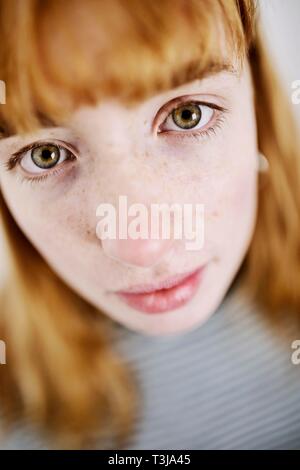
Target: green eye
x=187, y=116
x=45, y=156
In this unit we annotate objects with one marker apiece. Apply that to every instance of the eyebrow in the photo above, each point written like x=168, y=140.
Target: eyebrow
x=191, y=71
x=188, y=72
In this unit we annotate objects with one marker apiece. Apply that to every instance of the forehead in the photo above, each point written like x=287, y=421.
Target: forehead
x=130, y=54
x=82, y=52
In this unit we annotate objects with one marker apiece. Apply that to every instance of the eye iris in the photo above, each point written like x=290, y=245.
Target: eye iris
x=45, y=156
x=187, y=116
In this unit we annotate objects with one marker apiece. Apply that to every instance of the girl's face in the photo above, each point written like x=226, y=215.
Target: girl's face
x=204, y=153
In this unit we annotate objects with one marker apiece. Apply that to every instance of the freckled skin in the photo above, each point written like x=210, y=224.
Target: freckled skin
x=119, y=155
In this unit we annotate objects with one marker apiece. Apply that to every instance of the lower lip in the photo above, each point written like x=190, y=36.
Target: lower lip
x=164, y=300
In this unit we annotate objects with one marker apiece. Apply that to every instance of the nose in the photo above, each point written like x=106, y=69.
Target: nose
x=137, y=252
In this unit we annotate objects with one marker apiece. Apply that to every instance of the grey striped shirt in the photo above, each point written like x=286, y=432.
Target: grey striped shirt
x=228, y=384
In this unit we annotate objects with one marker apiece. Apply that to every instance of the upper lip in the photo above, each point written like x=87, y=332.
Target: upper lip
x=165, y=284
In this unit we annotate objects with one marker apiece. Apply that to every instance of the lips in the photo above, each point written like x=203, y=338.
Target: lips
x=168, y=295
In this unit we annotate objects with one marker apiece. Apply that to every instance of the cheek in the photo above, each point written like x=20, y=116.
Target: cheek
x=231, y=217
x=59, y=228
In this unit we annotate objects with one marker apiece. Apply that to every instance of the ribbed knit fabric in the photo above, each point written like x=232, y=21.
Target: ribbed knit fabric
x=228, y=384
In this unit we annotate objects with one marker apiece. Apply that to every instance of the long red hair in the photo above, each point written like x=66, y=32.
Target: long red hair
x=62, y=373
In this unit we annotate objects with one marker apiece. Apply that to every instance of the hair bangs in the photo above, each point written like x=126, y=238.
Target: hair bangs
x=68, y=54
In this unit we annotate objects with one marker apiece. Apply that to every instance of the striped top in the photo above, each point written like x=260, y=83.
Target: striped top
x=228, y=384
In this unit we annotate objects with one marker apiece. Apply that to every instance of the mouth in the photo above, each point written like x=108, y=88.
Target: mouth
x=167, y=295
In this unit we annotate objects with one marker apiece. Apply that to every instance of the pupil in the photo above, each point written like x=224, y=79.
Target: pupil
x=186, y=114
x=46, y=154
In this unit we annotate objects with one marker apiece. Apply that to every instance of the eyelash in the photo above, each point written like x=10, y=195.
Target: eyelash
x=17, y=157
x=41, y=177
x=199, y=134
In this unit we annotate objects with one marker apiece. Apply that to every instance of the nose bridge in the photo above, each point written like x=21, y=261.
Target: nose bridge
x=107, y=127
x=119, y=171
x=118, y=153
